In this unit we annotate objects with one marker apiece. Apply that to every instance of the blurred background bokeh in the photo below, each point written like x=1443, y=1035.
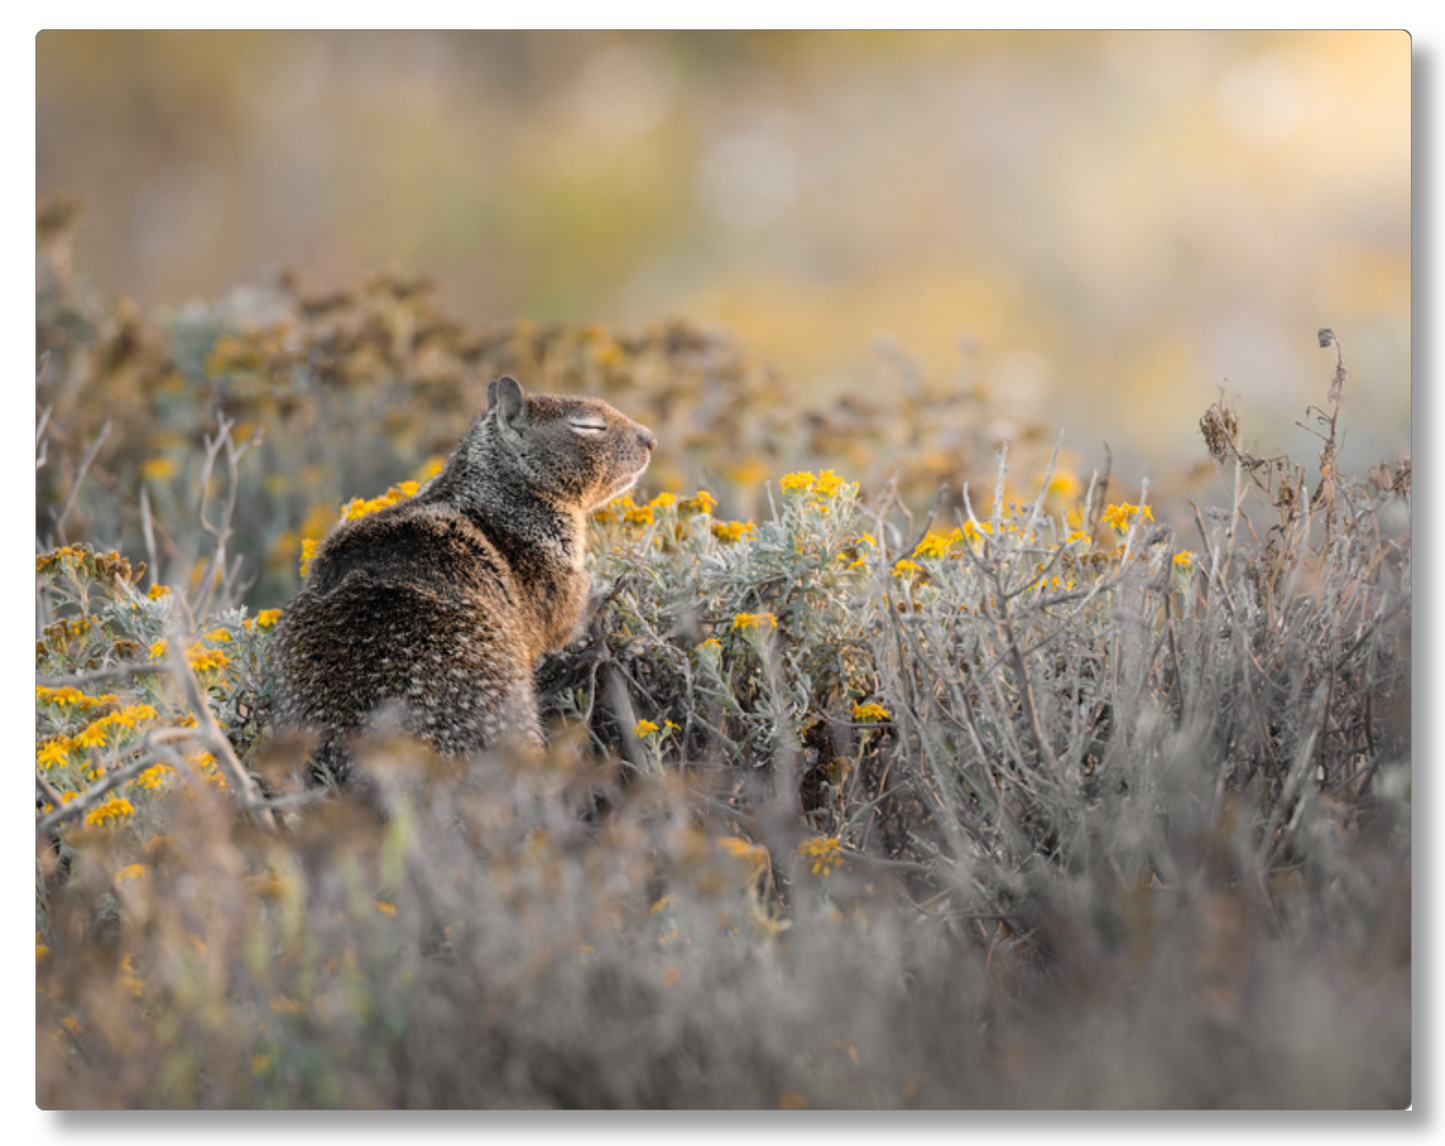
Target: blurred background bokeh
x=1101, y=229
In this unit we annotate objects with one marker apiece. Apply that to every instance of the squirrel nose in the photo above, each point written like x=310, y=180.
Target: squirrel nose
x=647, y=438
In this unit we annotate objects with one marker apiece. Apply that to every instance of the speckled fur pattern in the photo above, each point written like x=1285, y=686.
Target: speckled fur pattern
x=436, y=609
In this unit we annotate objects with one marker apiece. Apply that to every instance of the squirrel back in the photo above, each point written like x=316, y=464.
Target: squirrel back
x=438, y=607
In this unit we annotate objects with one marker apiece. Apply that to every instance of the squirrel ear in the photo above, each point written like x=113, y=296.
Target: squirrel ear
x=506, y=392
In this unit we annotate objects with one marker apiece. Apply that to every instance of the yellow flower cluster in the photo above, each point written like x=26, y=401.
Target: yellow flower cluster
x=755, y=621
x=203, y=659
x=309, y=550
x=1117, y=517
x=644, y=728
x=116, y=808
x=826, y=853
x=936, y=545
x=154, y=776
x=733, y=530
x=57, y=750
x=359, y=507
x=825, y=484
x=638, y=514
x=158, y=591
x=869, y=712
x=933, y=545
x=262, y=620
x=103, y=567
x=67, y=695
x=754, y=854
x=624, y=509
x=1184, y=561
x=905, y=567
x=44, y=562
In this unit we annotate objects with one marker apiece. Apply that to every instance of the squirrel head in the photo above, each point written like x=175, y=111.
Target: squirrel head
x=576, y=453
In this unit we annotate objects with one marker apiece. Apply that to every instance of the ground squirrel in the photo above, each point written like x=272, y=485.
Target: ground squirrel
x=438, y=607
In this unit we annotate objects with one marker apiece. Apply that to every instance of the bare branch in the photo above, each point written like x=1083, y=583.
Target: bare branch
x=79, y=477
x=118, y=672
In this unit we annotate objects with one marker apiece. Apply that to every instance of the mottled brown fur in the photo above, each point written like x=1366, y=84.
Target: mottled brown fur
x=438, y=607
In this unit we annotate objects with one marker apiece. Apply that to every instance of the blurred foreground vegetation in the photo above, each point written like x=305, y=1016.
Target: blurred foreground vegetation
x=1015, y=799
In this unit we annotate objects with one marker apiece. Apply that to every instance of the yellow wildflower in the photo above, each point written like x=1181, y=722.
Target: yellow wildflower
x=933, y=545
x=614, y=509
x=129, y=872
x=664, y=500
x=1117, y=516
x=869, y=712
x=1184, y=561
x=827, y=484
x=712, y=644
x=92, y=736
x=755, y=621
x=153, y=776
x=802, y=480
x=643, y=728
x=116, y=808
x=203, y=659
x=220, y=636
x=309, y=550
x=905, y=567
x=825, y=851
x=701, y=501
x=359, y=507
x=157, y=592
x=732, y=530
x=638, y=515
x=54, y=751
x=158, y=649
